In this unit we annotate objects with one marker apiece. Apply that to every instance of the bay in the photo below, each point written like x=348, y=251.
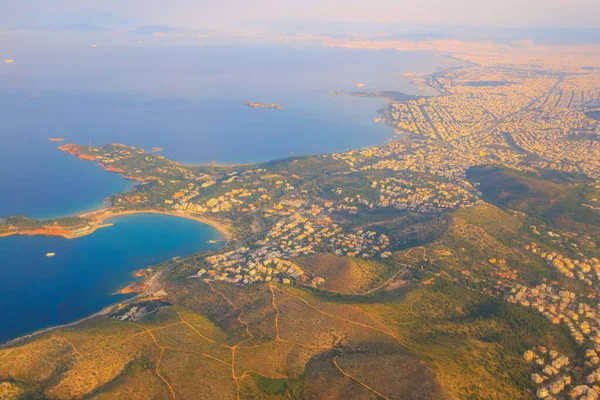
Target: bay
x=39, y=291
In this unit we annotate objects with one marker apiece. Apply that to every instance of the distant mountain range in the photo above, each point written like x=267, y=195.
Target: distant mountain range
x=77, y=27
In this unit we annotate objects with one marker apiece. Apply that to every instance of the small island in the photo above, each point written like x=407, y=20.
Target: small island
x=56, y=139
x=263, y=105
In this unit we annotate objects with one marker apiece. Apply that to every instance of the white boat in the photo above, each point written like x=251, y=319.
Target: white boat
x=50, y=254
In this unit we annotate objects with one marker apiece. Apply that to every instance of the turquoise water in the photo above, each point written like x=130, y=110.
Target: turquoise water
x=189, y=101
x=38, y=291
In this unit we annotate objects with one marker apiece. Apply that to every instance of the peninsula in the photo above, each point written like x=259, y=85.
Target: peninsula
x=86, y=224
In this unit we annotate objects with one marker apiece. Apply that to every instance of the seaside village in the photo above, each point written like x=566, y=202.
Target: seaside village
x=531, y=121
x=301, y=225
x=292, y=236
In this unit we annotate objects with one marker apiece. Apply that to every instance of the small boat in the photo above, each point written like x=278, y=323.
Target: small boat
x=50, y=254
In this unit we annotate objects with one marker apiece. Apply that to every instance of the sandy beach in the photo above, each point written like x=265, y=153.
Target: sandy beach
x=101, y=216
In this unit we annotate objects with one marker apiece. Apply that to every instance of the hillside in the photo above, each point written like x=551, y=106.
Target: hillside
x=431, y=337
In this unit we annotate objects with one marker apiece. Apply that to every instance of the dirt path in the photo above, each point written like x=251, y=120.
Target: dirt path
x=357, y=380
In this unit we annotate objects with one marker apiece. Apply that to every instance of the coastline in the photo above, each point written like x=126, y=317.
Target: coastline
x=100, y=216
x=154, y=284
x=220, y=226
x=104, y=311
x=156, y=281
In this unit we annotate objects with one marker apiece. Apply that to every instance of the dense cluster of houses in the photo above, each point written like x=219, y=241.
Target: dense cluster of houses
x=560, y=306
x=556, y=378
x=466, y=108
x=551, y=371
x=583, y=321
x=243, y=266
x=424, y=195
x=293, y=236
x=586, y=269
x=507, y=123
x=240, y=199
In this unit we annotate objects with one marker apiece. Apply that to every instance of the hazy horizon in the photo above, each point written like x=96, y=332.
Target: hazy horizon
x=235, y=16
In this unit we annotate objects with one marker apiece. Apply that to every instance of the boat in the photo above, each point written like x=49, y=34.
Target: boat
x=50, y=254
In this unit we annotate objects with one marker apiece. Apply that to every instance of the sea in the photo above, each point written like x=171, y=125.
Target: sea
x=187, y=100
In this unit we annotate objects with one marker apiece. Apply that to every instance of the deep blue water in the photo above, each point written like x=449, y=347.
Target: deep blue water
x=187, y=100
x=40, y=181
x=38, y=291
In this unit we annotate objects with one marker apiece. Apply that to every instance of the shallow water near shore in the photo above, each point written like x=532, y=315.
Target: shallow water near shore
x=38, y=291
